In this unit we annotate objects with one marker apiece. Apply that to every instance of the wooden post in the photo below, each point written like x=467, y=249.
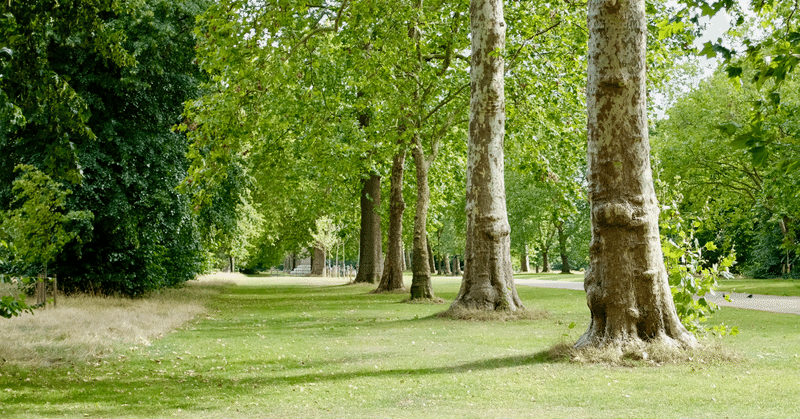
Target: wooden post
x=55, y=291
x=41, y=291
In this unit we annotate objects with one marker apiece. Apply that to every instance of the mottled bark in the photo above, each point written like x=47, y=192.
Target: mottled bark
x=523, y=260
x=626, y=284
x=488, y=282
x=317, y=262
x=370, y=264
x=421, y=286
x=446, y=264
x=392, y=278
x=562, y=248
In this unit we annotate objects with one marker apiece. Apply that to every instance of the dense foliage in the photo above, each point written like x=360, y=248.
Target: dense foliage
x=106, y=127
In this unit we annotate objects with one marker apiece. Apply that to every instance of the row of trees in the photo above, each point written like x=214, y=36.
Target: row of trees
x=288, y=114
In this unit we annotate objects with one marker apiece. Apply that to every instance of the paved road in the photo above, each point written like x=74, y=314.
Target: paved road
x=771, y=303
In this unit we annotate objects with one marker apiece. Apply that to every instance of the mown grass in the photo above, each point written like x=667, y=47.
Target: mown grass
x=269, y=348
x=775, y=286
x=552, y=276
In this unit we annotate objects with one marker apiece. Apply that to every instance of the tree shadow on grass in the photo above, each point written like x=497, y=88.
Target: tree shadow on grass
x=550, y=355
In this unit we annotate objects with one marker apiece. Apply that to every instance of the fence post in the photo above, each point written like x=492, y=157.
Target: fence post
x=55, y=290
x=41, y=291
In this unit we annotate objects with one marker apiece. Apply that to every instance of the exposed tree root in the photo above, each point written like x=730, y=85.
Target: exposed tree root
x=460, y=313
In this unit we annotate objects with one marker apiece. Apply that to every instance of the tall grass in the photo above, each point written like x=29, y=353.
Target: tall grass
x=85, y=328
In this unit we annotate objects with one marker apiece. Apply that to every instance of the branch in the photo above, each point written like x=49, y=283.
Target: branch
x=445, y=101
x=513, y=61
x=335, y=28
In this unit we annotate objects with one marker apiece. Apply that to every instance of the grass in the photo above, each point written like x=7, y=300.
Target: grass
x=784, y=287
x=552, y=276
x=272, y=348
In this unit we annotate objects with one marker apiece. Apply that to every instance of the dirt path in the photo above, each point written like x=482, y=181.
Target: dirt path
x=771, y=303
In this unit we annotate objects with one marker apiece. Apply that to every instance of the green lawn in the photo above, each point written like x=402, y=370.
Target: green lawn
x=272, y=349
x=785, y=287
x=552, y=276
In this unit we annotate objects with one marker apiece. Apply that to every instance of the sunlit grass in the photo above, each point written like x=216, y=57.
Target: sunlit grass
x=775, y=286
x=552, y=276
x=271, y=348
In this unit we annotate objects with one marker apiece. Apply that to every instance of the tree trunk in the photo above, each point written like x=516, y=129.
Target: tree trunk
x=431, y=259
x=392, y=278
x=562, y=247
x=523, y=260
x=446, y=264
x=421, y=286
x=545, y=261
x=626, y=284
x=369, y=260
x=317, y=262
x=456, y=265
x=488, y=282
x=232, y=265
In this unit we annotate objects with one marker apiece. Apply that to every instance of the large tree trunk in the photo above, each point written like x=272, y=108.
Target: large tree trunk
x=562, y=247
x=317, y=262
x=488, y=282
x=523, y=260
x=369, y=261
x=392, y=278
x=626, y=284
x=421, y=286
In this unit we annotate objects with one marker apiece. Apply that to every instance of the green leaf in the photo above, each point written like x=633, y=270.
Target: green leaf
x=742, y=141
x=708, y=50
x=733, y=72
x=775, y=98
x=729, y=128
x=760, y=155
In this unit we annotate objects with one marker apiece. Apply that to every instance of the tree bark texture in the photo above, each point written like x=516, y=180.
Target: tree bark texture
x=456, y=265
x=488, y=282
x=392, y=278
x=370, y=264
x=626, y=284
x=317, y=262
x=421, y=286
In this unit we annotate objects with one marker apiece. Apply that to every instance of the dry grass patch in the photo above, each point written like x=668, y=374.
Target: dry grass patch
x=424, y=301
x=86, y=328
x=460, y=313
x=647, y=354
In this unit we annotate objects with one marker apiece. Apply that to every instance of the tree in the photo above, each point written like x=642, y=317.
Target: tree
x=392, y=277
x=488, y=282
x=370, y=262
x=743, y=204
x=37, y=226
x=100, y=88
x=627, y=289
x=767, y=36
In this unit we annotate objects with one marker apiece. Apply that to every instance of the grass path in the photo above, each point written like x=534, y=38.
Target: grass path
x=282, y=347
